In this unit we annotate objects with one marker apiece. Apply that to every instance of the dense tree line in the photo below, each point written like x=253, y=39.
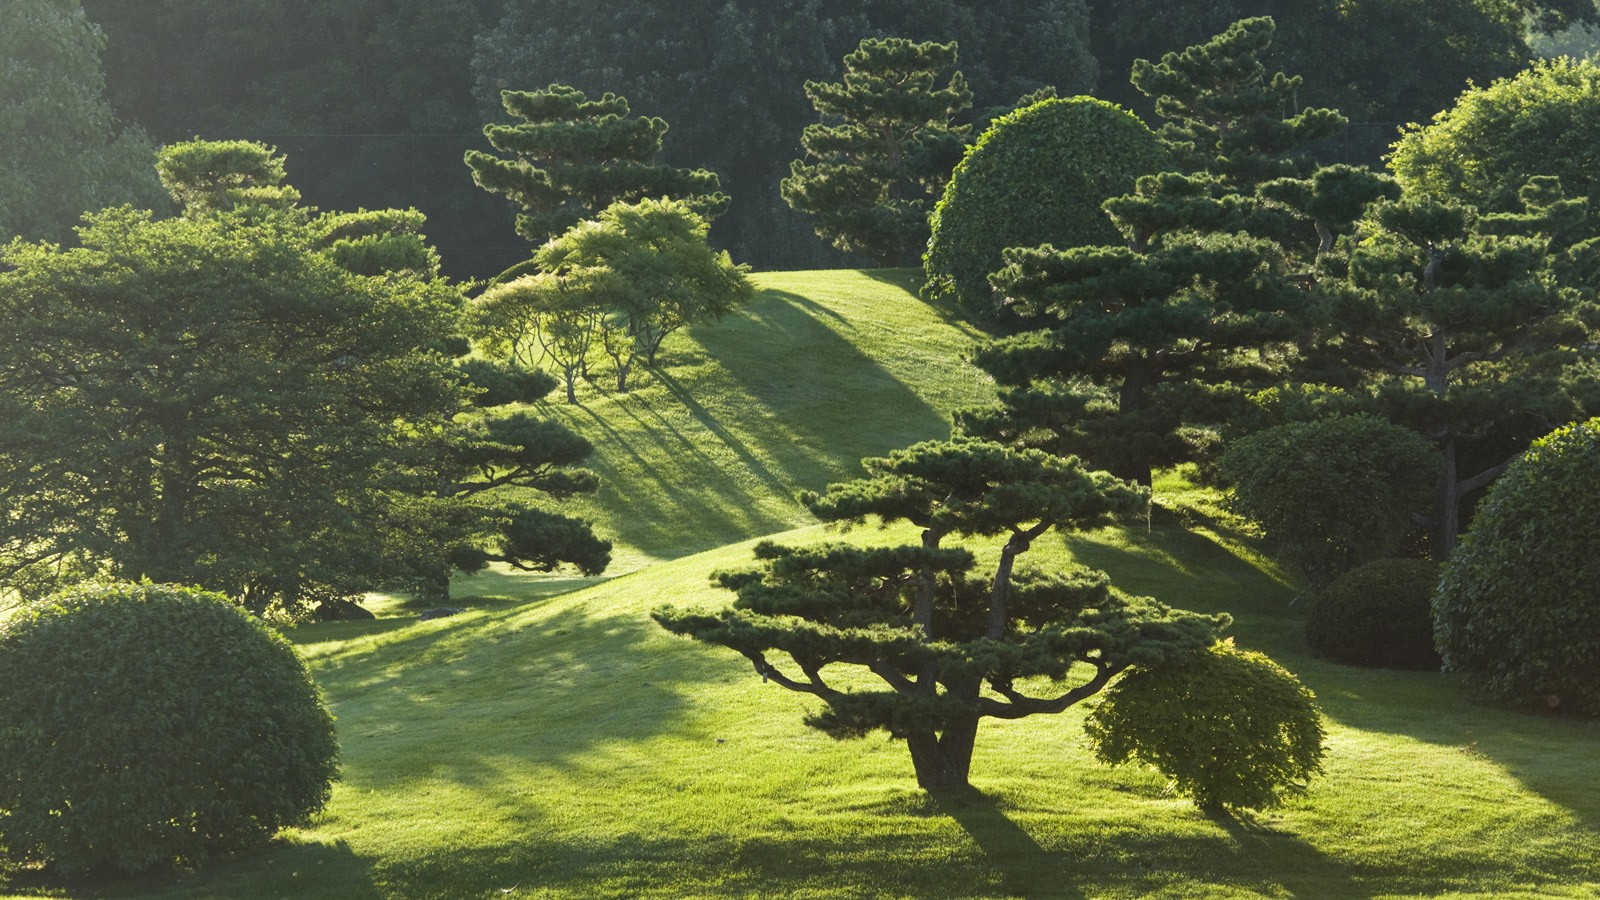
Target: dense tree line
x=727, y=76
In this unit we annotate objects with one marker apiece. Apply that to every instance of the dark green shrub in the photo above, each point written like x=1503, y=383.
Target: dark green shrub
x=1518, y=609
x=1037, y=176
x=1230, y=727
x=1378, y=614
x=1332, y=493
x=142, y=724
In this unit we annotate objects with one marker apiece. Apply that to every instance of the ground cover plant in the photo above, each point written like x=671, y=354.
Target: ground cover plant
x=563, y=745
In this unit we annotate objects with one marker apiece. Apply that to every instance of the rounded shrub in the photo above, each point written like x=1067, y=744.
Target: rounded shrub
x=1518, y=608
x=142, y=724
x=1230, y=727
x=1332, y=493
x=1037, y=176
x=1379, y=614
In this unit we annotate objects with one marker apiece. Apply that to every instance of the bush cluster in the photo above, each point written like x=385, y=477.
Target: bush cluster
x=1036, y=176
x=1518, y=608
x=142, y=724
x=1379, y=614
x=1230, y=727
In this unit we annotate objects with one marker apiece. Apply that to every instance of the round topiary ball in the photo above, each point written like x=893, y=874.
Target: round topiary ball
x=1230, y=727
x=1518, y=609
x=1037, y=176
x=1379, y=614
x=142, y=724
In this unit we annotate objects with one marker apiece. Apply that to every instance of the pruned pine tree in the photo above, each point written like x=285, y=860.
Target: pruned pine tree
x=949, y=646
x=880, y=158
x=568, y=157
x=1203, y=291
x=1469, y=330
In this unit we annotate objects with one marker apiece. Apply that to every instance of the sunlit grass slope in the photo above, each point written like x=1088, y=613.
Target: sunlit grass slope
x=567, y=747
x=821, y=369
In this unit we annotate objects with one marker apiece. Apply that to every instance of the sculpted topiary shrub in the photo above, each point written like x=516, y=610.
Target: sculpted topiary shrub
x=1333, y=493
x=1230, y=727
x=1518, y=610
x=142, y=724
x=1037, y=176
x=1379, y=614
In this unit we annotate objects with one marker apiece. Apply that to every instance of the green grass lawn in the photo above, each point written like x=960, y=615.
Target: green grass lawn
x=552, y=741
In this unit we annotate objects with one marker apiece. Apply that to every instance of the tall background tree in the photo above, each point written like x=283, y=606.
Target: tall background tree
x=569, y=157
x=883, y=152
x=63, y=151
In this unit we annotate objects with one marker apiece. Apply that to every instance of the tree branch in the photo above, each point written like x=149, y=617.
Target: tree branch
x=1019, y=705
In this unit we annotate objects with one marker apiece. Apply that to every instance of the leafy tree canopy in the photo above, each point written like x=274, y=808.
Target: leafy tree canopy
x=62, y=151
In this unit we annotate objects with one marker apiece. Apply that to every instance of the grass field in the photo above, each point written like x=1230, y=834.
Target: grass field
x=552, y=741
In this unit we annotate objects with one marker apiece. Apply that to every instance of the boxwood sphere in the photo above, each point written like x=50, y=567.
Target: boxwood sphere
x=142, y=724
x=1518, y=610
x=1379, y=614
x=1037, y=176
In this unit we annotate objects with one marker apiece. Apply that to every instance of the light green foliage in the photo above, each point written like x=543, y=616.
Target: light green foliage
x=567, y=158
x=1230, y=727
x=883, y=153
x=1332, y=493
x=216, y=176
x=62, y=152
x=1518, y=612
x=1483, y=149
x=625, y=280
x=650, y=265
x=936, y=637
x=1378, y=614
x=143, y=724
x=1036, y=176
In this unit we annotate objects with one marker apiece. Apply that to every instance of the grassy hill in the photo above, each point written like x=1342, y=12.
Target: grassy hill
x=822, y=369
x=555, y=743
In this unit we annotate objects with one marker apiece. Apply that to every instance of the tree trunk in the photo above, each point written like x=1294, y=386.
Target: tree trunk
x=943, y=761
x=1134, y=397
x=1446, y=504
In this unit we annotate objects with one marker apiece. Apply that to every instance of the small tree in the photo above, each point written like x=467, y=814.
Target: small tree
x=570, y=157
x=545, y=315
x=650, y=263
x=871, y=180
x=917, y=619
x=1464, y=332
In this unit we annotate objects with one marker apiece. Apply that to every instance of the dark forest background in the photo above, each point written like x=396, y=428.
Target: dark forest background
x=375, y=101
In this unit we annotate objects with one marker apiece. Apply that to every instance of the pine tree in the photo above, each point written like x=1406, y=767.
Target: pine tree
x=570, y=157
x=1201, y=294
x=932, y=632
x=878, y=162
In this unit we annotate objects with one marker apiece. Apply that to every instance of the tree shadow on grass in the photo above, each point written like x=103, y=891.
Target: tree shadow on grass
x=284, y=868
